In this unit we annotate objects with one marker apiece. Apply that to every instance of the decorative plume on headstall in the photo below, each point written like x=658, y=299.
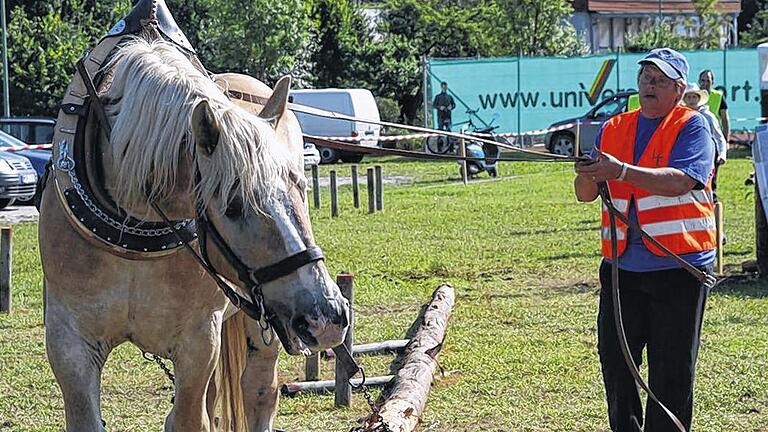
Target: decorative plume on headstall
x=151, y=134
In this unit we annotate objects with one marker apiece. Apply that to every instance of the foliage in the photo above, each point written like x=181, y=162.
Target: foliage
x=262, y=38
x=43, y=50
x=757, y=30
x=520, y=349
x=663, y=35
x=706, y=31
x=711, y=24
x=341, y=35
x=538, y=28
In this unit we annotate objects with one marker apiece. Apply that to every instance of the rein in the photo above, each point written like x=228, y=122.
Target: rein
x=254, y=99
x=706, y=279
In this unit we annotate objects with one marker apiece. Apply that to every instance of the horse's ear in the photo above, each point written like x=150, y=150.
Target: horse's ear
x=275, y=107
x=205, y=127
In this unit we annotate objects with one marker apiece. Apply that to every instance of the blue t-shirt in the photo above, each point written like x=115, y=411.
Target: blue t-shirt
x=692, y=154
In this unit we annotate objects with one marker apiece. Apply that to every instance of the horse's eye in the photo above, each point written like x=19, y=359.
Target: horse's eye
x=235, y=205
x=234, y=208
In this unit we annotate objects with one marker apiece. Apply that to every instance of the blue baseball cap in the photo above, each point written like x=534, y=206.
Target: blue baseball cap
x=672, y=63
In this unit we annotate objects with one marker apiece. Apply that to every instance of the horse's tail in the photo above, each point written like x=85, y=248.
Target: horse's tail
x=232, y=362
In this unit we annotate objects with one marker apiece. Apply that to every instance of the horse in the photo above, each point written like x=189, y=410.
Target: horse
x=177, y=145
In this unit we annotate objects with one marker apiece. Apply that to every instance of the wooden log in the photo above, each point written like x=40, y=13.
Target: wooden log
x=379, y=189
x=355, y=187
x=315, y=187
x=6, y=264
x=334, y=198
x=373, y=348
x=371, y=192
x=342, y=389
x=402, y=409
x=327, y=386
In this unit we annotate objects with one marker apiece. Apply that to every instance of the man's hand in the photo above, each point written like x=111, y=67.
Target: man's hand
x=720, y=161
x=605, y=168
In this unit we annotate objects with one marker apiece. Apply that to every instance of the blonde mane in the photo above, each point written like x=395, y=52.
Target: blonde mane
x=150, y=103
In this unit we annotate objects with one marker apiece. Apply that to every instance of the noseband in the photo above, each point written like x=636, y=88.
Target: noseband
x=252, y=280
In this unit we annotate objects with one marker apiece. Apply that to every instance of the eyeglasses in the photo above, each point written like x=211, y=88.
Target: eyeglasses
x=658, y=81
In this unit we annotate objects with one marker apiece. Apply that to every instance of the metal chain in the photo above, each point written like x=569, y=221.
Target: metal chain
x=66, y=164
x=156, y=358
x=375, y=417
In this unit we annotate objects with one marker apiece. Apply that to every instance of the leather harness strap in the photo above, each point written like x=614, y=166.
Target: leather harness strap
x=706, y=279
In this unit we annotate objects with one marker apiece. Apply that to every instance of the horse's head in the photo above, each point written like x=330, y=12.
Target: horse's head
x=249, y=190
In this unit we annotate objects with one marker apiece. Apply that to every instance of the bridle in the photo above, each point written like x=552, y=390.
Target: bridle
x=252, y=280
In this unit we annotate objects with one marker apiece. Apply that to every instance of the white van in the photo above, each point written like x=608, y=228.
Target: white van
x=352, y=102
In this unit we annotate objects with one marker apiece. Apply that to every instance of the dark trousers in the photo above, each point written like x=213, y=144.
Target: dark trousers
x=662, y=311
x=444, y=123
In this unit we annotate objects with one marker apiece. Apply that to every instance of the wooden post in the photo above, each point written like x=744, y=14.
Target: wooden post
x=312, y=367
x=343, y=392
x=719, y=231
x=6, y=263
x=371, y=189
x=355, y=187
x=577, y=140
x=463, y=163
x=334, y=200
x=315, y=187
x=379, y=189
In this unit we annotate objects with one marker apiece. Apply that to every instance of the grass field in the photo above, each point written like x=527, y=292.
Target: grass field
x=521, y=348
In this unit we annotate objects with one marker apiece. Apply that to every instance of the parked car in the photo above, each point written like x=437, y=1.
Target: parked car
x=38, y=158
x=311, y=155
x=31, y=130
x=562, y=141
x=18, y=179
x=352, y=102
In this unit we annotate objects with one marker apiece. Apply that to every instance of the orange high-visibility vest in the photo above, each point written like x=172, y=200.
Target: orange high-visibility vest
x=684, y=223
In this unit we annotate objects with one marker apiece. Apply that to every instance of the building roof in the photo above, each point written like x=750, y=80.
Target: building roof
x=652, y=6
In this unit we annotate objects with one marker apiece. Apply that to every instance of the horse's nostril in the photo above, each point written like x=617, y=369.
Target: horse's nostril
x=303, y=329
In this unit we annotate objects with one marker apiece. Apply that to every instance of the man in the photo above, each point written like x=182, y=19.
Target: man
x=719, y=107
x=444, y=104
x=658, y=162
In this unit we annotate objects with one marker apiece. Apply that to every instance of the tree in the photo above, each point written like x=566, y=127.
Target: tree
x=263, y=38
x=538, y=28
x=336, y=44
x=756, y=31
x=43, y=49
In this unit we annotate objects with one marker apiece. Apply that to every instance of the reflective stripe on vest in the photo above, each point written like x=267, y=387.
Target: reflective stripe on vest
x=684, y=223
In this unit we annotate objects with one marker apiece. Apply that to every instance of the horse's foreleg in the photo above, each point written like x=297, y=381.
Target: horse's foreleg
x=259, y=380
x=194, y=362
x=77, y=363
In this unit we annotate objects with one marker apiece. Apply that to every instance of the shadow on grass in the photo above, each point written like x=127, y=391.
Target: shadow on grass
x=741, y=284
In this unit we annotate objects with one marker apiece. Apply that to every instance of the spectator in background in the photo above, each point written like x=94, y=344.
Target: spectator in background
x=697, y=99
x=706, y=81
x=444, y=104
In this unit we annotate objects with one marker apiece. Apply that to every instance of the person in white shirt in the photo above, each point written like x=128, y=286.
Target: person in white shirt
x=696, y=99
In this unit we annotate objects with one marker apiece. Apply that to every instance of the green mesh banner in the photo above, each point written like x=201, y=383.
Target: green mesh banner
x=554, y=89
